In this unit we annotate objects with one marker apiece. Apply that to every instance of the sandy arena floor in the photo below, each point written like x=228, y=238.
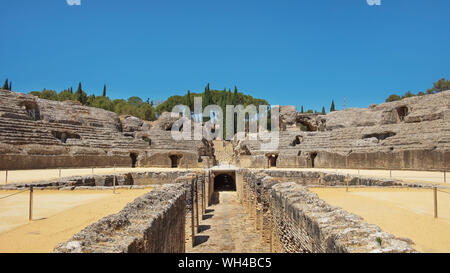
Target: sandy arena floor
x=399, y=211
x=57, y=216
x=26, y=176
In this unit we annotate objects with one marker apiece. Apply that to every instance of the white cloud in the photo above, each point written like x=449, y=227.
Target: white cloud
x=73, y=2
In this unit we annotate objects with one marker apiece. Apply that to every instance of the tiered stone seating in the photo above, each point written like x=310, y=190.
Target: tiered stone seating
x=27, y=120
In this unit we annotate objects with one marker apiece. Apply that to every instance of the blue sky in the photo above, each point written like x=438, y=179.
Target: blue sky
x=289, y=52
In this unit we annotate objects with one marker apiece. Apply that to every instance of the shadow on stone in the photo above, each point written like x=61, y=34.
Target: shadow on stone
x=200, y=239
x=202, y=228
x=207, y=216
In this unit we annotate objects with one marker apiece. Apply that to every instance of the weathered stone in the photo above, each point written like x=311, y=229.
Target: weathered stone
x=153, y=223
x=37, y=134
x=411, y=134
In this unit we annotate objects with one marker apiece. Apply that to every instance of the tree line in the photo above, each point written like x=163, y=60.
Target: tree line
x=439, y=86
x=323, y=112
x=134, y=106
x=150, y=110
x=221, y=98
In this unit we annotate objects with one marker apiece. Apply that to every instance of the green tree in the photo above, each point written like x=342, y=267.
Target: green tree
x=441, y=85
x=146, y=112
x=103, y=103
x=65, y=95
x=118, y=106
x=49, y=94
x=332, y=108
x=90, y=100
x=135, y=101
x=80, y=95
x=10, y=86
x=188, y=100
x=323, y=110
x=236, y=99
x=5, y=85
x=104, y=90
x=189, y=104
x=393, y=97
x=301, y=110
x=408, y=95
x=207, y=99
x=36, y=93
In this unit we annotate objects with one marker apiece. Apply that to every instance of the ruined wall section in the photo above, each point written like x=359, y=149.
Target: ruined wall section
x=38, y=134
x=411, y=134
x=153, y=223
x=305, y=223
x=107, y=180
x=292, y=219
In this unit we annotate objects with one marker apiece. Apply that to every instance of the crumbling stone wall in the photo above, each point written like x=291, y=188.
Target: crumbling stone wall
x=292, y=219
x=305, y=223
x=153, y=223
x=39, y=134
x=411, y=134
x=107, y=180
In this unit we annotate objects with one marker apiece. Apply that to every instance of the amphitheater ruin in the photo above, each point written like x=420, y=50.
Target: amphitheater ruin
x=357, y=180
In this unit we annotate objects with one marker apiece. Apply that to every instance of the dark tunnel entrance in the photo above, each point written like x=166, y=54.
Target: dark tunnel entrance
x=224, y=182
x=133, y=157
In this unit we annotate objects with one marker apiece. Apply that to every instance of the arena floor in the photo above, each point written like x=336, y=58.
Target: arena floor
x=404, y=212
x=57, y=216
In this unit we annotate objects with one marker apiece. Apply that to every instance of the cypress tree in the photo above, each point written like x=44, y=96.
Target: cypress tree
x=323, y=110
x=236, y=96
x=301, y=110
x=207, y=96
x=104, y=90
x=5, y=86
x=332, y=108
x=188, y=100
x=10, y=86
x=80, y=95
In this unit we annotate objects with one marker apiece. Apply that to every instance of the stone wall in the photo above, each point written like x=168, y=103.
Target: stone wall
x=318, y=178
x=410, y=134
x=153, y=223
x=39, y=134
x=107, y=180
x=292, y=219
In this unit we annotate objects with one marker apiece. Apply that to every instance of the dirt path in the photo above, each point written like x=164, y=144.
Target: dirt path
x=227, y=228
x=58, y=215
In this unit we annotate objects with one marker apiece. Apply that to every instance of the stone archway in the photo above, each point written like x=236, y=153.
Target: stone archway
x=133, y=157
x=224, y=182
x=175, y=160
x=313, y=158
x=221, y=181
x=272, y=160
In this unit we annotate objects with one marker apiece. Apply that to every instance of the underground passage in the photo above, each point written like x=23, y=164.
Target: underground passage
x=224, y=182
